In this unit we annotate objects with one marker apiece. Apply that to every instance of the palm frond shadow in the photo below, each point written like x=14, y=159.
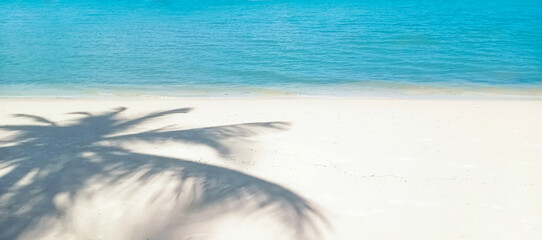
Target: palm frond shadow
x=49, y=158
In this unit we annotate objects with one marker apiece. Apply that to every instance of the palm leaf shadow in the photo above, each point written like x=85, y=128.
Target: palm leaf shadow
x=48, y=158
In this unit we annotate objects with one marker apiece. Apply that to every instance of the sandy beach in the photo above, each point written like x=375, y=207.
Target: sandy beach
x=266, y=168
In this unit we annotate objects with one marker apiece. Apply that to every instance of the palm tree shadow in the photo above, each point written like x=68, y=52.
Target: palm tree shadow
x=46, y=159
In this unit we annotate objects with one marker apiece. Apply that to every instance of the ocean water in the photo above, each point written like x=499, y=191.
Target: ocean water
x=343, y=47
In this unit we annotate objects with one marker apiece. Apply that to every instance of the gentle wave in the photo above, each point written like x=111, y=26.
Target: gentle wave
x=304, y=47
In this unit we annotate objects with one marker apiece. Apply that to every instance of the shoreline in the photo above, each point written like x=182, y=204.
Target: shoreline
x=283, y=97
x=364, y=90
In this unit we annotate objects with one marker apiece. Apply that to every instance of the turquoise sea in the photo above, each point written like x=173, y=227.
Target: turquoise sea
x=213, y=48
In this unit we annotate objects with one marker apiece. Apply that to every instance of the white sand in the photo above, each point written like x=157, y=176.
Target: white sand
x=270, y=169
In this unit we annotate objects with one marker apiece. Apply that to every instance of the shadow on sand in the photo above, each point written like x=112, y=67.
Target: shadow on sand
x=42, y=160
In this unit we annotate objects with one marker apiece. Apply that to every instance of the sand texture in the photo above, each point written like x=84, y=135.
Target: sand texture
x=297, y=168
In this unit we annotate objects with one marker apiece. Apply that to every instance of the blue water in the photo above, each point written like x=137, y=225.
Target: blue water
x=173, y=46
